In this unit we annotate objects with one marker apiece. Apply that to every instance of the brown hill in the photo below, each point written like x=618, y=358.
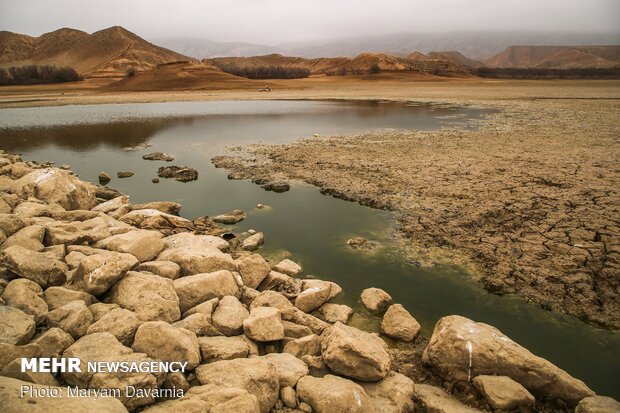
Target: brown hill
x=360, y=64
x=106, y=53
x=316, y=66
x=456, y=58
x=557, y=57
x=188, y=75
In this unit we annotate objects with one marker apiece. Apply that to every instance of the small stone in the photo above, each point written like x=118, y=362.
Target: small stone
x=16, y=327
x=252, y=242
x=399, y=324
x=155, y=180
x=74, y=318
x=104, y=178
x=598, y=404
x=288, y=397
x=158, y=156
x=264, y=324
x=229, y=315
x=333, y=313
x=375, y=300
x=503, y=392
x=231, y=217
x=124, y=174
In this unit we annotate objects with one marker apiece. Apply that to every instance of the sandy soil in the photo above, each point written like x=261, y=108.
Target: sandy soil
x=531, y=197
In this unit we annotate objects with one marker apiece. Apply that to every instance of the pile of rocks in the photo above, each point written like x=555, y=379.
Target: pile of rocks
x=105, y=280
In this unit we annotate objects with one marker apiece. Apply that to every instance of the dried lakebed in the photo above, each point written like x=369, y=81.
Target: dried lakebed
x=311, y=227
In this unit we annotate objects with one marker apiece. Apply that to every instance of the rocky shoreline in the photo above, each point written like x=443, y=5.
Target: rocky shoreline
x=86, y=274
x=530, y=197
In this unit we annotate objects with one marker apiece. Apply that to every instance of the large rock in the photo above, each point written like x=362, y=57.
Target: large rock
x=151, y=297
x=210, y=398
x=154, y=219
x=13, y=402
x=97, y=273
x=399, y=324
x=142, y=244
x=393, y=394
x=253, y=269
x=284, y=284
x=289, y=312
x=200, y=324
x=229, y=315
x=503, y=392
x=461, y=349
x=122, y=323
x=290, y=369
x=196, y=289
x=27, y=296
x=355, y=353
x=333, y=394
x=435, y=400
x=168, y=207
x=205, y=308
x=375, y=300
x=33, y=208
x=252, y=242
x=112, y=205
x=187, y=239
x=50, y=343
x=598, y=404
x=166, y=269
x=10, y=224
x=193, y=260
x=55, y=186
x=165, y=342
x=223, y=348
x=56, y=297
x=315, y=294
x=74, y=318
x=288, y=267
x=264, y=324
x=78, y=232
x=16, y=327
x=333, y=313
x=304, y=346
x=14, y=370
x=30, y=237
x=35, y=266
x=105, y=347
x=255, y=375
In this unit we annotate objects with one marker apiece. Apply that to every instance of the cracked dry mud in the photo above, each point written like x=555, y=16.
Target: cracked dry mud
x=531, y=197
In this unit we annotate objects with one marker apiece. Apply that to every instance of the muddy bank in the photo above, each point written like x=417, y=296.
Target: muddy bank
x=107, y=280
x=530, y=197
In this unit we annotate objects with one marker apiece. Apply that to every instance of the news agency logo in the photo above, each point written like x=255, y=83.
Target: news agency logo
x=74, y=365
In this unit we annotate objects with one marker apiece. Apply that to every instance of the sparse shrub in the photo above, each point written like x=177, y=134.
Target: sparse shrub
x=131, y=72
x=374, y=69
x=32, y=75
x=545, y=73
x=266, y=72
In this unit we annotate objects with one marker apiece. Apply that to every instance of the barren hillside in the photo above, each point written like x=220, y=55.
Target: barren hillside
x=557, y=57
x=106, y=53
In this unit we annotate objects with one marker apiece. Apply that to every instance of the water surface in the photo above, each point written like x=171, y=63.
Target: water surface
x=312, y=228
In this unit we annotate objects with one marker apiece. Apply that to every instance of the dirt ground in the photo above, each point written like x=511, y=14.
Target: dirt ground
x=531, y=197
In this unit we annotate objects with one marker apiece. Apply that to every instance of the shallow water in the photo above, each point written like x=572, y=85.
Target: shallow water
x=312, y=227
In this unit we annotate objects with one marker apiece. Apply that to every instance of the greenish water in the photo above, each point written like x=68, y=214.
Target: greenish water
x=311, y=227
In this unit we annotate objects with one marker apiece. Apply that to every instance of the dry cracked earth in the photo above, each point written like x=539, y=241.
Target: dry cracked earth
x=531, y=197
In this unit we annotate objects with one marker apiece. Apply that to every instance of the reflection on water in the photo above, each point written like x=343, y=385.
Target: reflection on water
x=311, y=227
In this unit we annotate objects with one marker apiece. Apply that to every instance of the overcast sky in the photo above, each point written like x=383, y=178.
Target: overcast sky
x=282, y=21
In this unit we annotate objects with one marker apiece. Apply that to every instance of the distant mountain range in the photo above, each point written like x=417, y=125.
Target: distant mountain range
x=111, y=52
x=475, y=45
x=106, y=53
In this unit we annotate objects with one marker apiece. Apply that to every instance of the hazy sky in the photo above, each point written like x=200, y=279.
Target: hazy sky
x=282, y=21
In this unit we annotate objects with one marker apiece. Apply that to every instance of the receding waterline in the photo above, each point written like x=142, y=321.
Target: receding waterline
x=312, y=227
